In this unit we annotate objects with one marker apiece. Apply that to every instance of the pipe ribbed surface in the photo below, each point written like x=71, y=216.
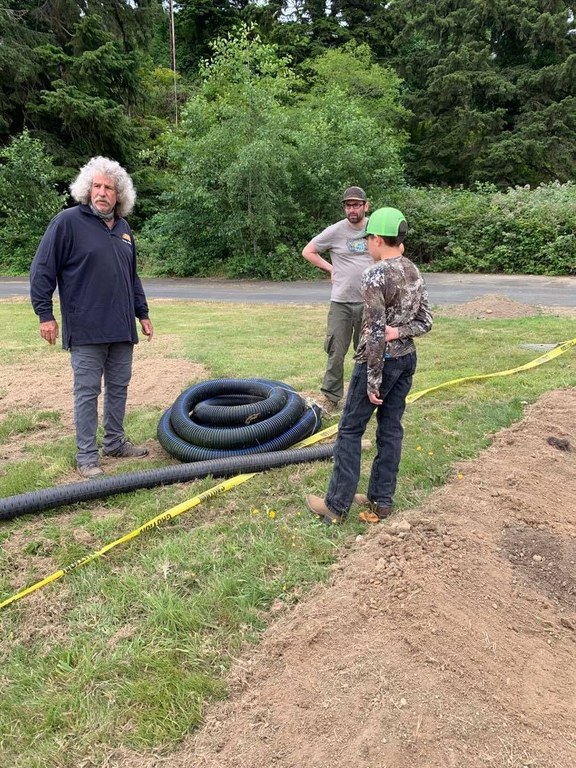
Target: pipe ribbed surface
x=101, y=487
x=242, y=426
x=271, y=418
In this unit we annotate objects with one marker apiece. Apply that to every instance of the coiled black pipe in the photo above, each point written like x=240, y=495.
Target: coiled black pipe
x=269, y=405
x=272, y=418
x=99, y=488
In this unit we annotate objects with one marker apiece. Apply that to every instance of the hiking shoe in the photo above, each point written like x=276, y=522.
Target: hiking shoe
x=88, y=471
x=127, y=451
x=375, y=513
x=328, y=407
x=317, y=505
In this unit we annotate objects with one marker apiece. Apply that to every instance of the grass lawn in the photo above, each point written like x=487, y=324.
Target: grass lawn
x=127, y=650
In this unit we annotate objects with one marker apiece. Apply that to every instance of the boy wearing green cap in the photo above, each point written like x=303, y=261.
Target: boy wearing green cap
x=396, y=309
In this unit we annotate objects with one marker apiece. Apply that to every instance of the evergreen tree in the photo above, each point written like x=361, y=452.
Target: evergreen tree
x=83, y=108
x=493, y=90
x=198, y=23
x=19, y=73
x=72, y=74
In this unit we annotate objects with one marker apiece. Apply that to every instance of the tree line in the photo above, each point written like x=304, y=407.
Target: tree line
x=459, y=107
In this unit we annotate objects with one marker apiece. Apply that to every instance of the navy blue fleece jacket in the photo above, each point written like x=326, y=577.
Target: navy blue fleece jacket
x=94, y=268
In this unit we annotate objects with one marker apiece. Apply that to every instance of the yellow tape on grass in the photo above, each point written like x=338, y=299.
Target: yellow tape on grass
x=157, y=521
x=239, y=479
x=556, y=352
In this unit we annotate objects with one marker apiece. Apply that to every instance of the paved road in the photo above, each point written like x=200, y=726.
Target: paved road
x=442, y=288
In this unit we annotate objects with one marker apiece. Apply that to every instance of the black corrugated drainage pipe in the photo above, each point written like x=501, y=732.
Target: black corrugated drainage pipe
x=202, y=424
x=251, y=422
x=99, y=488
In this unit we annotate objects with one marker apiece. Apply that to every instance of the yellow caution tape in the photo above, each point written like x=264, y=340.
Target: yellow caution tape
x=155, y=522
x=159, y=520
x=227, y=485
x=556, y=352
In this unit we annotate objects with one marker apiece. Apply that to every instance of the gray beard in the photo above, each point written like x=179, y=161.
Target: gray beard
x=104, y=216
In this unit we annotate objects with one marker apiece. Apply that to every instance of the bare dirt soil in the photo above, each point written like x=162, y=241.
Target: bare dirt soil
x=444, y=638
x=44, y=384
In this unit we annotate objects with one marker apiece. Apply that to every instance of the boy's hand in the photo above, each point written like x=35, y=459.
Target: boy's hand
x=374, y=399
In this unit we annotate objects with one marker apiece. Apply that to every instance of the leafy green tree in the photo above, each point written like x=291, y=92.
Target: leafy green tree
x=493, y=90
x=351, y=131
x=28, y=200
x=260, y=167
x=230, y=161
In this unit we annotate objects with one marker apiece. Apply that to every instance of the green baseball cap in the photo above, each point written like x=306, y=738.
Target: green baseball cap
x=388, y=222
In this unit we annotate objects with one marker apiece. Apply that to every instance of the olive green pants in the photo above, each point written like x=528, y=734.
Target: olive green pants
x=344, y=325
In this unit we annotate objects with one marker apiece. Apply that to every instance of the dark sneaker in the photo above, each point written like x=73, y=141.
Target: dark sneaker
x=127, y=451
x=317, y=505
x=375, y=513
x=88, y=471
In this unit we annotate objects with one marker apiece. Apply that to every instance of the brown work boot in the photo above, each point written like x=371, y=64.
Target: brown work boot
x=89, y=471
x=127, y=451
x=328, y=407
x=317, y=505
x=375, y=513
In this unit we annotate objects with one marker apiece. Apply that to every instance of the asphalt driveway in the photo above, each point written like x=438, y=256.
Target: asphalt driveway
x=443, y=289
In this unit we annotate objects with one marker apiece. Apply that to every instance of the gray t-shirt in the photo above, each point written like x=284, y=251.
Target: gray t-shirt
x=349, y=258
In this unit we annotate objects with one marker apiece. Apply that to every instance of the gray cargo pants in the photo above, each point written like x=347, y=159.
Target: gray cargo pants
x=344, y=325
x=91, y=363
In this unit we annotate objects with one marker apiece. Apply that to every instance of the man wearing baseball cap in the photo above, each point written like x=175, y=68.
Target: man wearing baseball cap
x=348, y=260
x=396, y=309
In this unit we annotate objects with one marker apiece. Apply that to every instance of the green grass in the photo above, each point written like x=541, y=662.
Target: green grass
x=126, y=651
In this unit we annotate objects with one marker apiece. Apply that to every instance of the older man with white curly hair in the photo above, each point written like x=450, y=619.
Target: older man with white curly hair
x=88, y=251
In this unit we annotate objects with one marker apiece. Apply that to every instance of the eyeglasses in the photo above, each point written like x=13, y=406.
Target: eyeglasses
x=354, y=206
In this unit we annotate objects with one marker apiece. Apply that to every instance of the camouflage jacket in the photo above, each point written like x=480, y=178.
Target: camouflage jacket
x=394, y=294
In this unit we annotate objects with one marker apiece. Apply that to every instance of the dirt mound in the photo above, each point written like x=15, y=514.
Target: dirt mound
x=446, y=637
x=490, y=307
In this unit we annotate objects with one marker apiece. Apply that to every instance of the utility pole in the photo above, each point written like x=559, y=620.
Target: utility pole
x=173, y=57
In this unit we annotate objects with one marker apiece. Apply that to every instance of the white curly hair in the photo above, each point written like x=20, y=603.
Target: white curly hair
x=81, y=187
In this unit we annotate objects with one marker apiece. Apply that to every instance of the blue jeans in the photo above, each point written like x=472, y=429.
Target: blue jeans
x=396, y=383
x=91, y=362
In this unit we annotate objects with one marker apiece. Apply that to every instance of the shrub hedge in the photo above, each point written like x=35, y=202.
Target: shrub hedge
x=520, y=231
